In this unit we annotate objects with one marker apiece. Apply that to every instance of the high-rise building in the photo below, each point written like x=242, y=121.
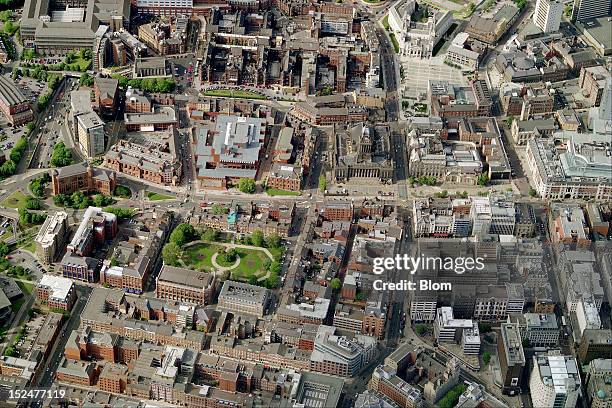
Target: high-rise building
x=585, y=9
x=511, y=357
x=547, y=15
x=554, y=380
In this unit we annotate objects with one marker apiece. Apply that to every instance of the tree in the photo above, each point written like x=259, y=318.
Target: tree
x=275, y=267
x=509, y=120
x=273, y=281
x=273, y=241
x=4, y=249
x=486, y=357
x=520, y=3
x=100, y=200
x=171, y=253
x=322, y=183
x=219, y=209
x=61, y=156
x=86, y=80
x=246, y=185
x=183, y=234
x=533, y=192
x=483, y=179
x=484, y=327
x=6, y=15
x=122, y=191
x=210, y=235
x=121, y=213
x=452, y=397
x=61, y=200
x=230, y=256
x=32, y=203
x=336, y=284
x=257, y=238
x=420, y=329
x=442, y=194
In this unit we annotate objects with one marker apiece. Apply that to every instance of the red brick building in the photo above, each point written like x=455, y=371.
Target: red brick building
x=82, y=177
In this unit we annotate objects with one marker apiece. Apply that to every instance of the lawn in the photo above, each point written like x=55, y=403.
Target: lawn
x=385, y=22
x=251, y=263
x=230, y=93
x=82, y=63
x=26, y=288
x=277, y=192
x=251, y=260
x=158, y=196
x=15, y=200
x=198, y=256
x=395, y=43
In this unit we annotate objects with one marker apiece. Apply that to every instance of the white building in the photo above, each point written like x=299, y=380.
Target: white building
x=547, y=15
x=503, y=216
x=449, y=330
x=90, y=134
x=51, y=236
x=458, y=54
x=554, y=381
x=571, y=165
x=587, y=315
x=418, y=38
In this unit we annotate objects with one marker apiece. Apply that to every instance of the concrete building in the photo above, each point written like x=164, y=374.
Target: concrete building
x=339, y=355
x=525, y=130
x=13, y=104
x=547, y=15
x=540, y=330
x=588, y=9
x=82, y=177
x=593, y=80
x=452, y=100
x=90, y=134
x=598, y=384
x=571, y=166
x=447, y=329
x=51, y=236
x=447, y=161
x=465, y=52
x=159, y=118
x=185, y=285
x=416, y=29
x=587, y=316
x=230, y=151
x=362, y=152
x=511, y=358
x=489, y=28
x=56, y=29
x=241, y=297
x=56, y=292
x=579, y=278
x=554, y=380
x=386, y=382
x=94, y=230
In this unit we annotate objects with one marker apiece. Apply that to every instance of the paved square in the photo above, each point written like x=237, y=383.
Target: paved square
x=418, y=71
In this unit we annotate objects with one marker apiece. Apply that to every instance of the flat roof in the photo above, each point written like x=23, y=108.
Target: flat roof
x=185, y=277
x=60, y=286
